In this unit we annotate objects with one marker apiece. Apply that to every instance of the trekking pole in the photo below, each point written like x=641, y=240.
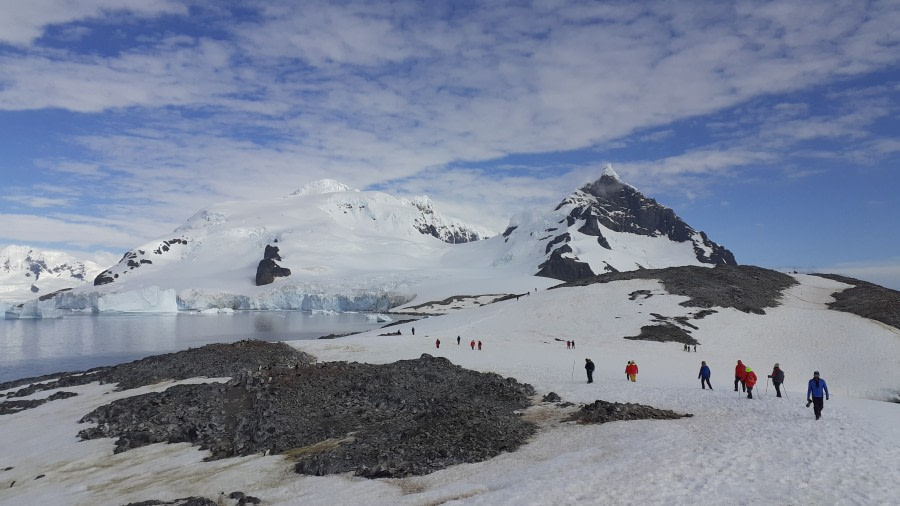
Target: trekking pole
x=767, y=386
x=573, y=370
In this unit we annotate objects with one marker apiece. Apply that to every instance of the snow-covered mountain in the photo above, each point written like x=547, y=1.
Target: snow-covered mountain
x=27, y=273
x=327, y=246
x=609, y=226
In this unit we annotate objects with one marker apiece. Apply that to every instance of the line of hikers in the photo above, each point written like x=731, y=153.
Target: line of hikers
x=816, y=392
x=437, y=343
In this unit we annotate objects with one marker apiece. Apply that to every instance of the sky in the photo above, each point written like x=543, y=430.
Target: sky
x=772, y=126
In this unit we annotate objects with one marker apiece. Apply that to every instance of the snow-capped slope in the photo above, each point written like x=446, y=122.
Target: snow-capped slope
x=733, y=450
x=608, y=226
x=26, y=273
x=366, y=250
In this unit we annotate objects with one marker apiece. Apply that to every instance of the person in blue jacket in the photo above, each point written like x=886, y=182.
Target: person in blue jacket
x=817, y=388
x=704, y=375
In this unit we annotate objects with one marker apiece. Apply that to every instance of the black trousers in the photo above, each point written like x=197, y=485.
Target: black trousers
x=590, y=376
x=818, y=404
x=705, y=380
x=738, y=380
x=777, y=388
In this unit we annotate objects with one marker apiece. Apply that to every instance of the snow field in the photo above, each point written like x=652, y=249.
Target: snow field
x=735, y=450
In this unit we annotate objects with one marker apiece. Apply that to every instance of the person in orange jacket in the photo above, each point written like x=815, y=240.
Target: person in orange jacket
x=739, y=371
x=749, y=381
x=632, y=371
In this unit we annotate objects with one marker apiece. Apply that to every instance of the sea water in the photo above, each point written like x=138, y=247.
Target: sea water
x=76, y=342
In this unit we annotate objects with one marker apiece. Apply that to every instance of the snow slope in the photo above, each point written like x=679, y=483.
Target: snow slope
x=733, y=450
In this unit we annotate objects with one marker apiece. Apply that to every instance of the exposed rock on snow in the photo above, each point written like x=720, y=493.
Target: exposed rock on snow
x=268, y=270
x=867, y=300
x=406, y=418
x=603, y=412
x=746, y=288
x=212, y=361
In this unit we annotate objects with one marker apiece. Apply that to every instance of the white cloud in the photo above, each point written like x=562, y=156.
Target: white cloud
x=393, y=93
x=23, y=22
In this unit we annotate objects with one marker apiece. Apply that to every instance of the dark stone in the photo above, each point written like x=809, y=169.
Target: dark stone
x=268, y=270
x=564, y=268
x=664, y=333
x=552, y=397
x=603, y=412
x=103, y=278
x=509, y=230
x=272, y=252
x=411, y=417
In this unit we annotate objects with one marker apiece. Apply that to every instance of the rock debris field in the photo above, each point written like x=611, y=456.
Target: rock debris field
x=411, y=417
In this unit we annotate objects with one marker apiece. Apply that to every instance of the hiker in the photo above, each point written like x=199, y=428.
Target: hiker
x=472, y=344
x=589, y=367
x=695, y=348
x=684, y=348
x=628, y=371
x=777, y=379
x=479, y=345
x=749, y=381
x=704, y=375
x=632, y=370
x=568, y=345
x=437, y=343
x=573, y=344
x=458, y=339
x=739, y=371
x=814, y=393
x=413, y=331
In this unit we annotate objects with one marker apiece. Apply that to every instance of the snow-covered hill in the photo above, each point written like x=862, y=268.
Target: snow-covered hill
x=343, y=249
x=27, y=273
x=733, y=450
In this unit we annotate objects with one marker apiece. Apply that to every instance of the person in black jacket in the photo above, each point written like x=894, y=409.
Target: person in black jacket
x=777, y=379
x=589, y=367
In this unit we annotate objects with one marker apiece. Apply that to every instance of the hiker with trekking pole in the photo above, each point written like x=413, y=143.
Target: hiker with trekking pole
x=777, y=379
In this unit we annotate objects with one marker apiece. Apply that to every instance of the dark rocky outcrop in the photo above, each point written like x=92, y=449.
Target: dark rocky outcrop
x=268, y=270
x=744, y=287
x=665, y=332
x=220, y=360
x=867, y=300
x=564, y=268
x=407, y=418
x=603, y=412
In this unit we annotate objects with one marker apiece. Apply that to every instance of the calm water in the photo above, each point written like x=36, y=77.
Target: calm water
x=81, y=341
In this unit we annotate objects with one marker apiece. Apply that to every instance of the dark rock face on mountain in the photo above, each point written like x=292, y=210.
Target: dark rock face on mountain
x=268, y=270
x=434, y=224
x=135, y=259
x=564, y=268
x=621, y=208
x=411, y=417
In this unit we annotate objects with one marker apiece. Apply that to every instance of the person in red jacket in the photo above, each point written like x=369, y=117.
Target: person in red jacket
x=739, y=371
x=749, y=381
x=631, y=371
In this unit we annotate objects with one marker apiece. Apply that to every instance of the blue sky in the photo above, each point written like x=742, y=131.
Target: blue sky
x=772, y=126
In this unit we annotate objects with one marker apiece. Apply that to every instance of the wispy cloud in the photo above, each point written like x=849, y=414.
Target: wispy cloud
x=410, y=97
